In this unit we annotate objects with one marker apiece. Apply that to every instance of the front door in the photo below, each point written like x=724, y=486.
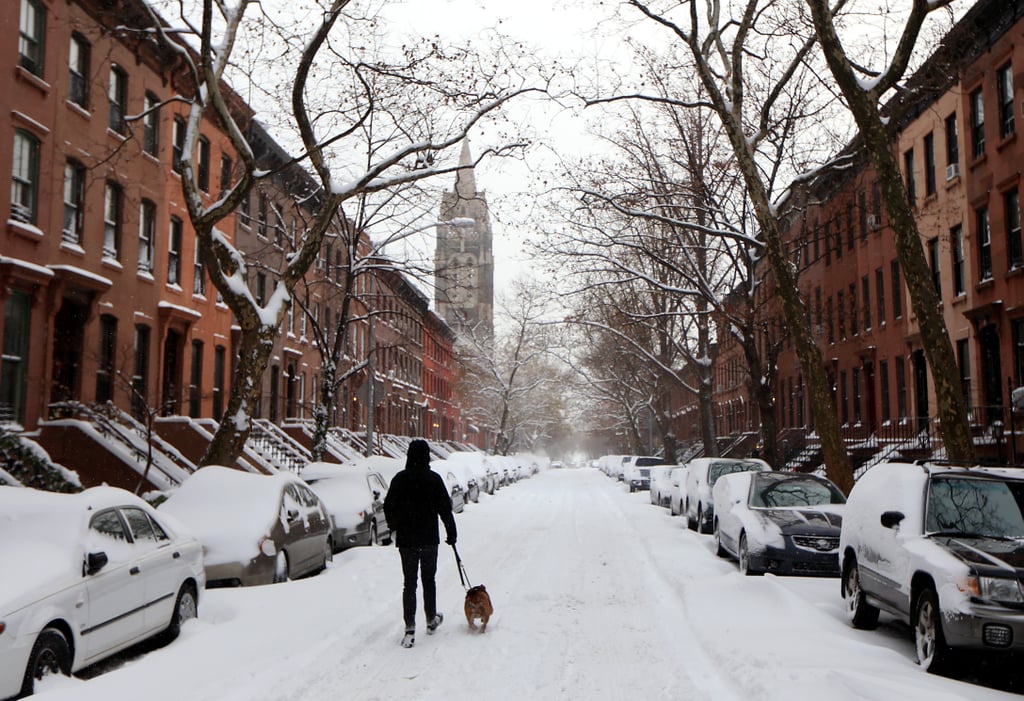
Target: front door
x=69, y=331
x=171, y=389
x=991, y=372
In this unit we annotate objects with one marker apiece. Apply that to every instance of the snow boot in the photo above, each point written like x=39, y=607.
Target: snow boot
x=434, y=623
x=409, y=639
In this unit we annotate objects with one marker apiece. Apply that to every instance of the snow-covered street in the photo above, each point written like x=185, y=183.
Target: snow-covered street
x=597, y=595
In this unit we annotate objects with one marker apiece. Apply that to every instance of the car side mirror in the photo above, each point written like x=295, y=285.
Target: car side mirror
x=376, y=494
x=891, y=519
x=94, y=562
x=293, y=514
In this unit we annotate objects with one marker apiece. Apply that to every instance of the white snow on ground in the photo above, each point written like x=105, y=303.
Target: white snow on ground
x=597, y=595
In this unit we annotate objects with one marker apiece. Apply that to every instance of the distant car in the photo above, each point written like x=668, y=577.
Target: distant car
x=455, y=488
x=677, y=490
x=467, y=479
x=255, y=529
x=636, y=471
x=701, y=475
x=940, y=548
x=661, y=484
x=779, y=522
x=354, y=499
x=87, y=575
x=556, y=464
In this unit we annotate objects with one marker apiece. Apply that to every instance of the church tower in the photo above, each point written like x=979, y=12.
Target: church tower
x=463, y=260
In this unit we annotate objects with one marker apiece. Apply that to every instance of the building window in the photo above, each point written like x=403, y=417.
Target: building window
x=261, y=289
x=897, y=289
x=78, y=67
x=198, y=273
x=261, y=215
x=1011, y=205
x=225, y=173
x=854, y=325
x=195, y=384
x=952, y=147
x=219, y=356
x=880, y=295
x=977, y=124
x=933, y=263
x=1004, y=88
x=147, y=235
x=151, y=124
x=74, y=199
x=14, y=360
x=841, y=314
x=107, y=357
x=984, y=244
x=30, y=38
x=901, y=388
x=177, y=143
x=140, y=390
x=856, y=395
x=964, y=362
x=929, y=164
x=839, y=237
x=112, y=221
x=174, y=252
x=883, y=383
x=827, y=241
x=844, y=399
x=275, y=391
x=865, y=286
x=25, y=177
x=818, y=312
x=850, y=233
x=117, y=95
x=1018, y=351
x=203, y=175
x=956, y=240
x=245, y=209
x=908, y=168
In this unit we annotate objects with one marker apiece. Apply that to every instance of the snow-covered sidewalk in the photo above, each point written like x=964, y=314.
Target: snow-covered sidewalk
x=597, y=595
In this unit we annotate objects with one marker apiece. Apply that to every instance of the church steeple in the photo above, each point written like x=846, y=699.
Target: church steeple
x=465, y=179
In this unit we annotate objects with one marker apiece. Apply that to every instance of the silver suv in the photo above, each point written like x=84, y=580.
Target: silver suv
x=941, y=548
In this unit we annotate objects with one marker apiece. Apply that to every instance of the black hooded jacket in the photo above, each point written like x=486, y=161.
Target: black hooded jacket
x=416, y=498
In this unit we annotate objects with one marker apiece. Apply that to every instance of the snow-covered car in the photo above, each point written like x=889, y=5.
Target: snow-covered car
x=941, y=548
x=86, y=575
x=636, y=471
x=354, y=499
x=677, y=490
x=785, y=523
x=661, y=484
x=467, y=479
x=451, y=480
x=480, y=467
x=701, y=475
x=255, y=528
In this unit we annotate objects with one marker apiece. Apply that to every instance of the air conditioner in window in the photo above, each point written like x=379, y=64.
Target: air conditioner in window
x=873, y=223
x=952, y=171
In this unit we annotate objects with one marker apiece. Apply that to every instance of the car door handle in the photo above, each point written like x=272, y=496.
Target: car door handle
x=133, y=571
x=176, y=555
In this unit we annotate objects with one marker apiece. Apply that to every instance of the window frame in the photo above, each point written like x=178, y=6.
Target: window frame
x=151, y=124
x=113, y=215
x=147, y=236
x=175, y=234
x=79, y=54
x=976, y=101
x=33, y=38
x=74, y=208
x=1004, y=93
x=117, y=99
x=25, y=179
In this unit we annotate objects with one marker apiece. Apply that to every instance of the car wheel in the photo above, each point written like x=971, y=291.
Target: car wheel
x=719, y=550
x=862, y=614
x=744, y=557
x=702, y=525
x=281, y=567
x=690, y=523
x=932, y=652
x=186, y=607
x=50, y=655
x=328, y=551
x=374, y=536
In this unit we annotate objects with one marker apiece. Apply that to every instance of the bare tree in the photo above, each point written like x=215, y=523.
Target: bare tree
x=429, y=98
x=753, y=74
x=864, y=88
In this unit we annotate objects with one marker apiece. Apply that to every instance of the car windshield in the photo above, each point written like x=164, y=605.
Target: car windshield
x=649, y=461
x=718, y=469
x=976, y=507
x=795, y=492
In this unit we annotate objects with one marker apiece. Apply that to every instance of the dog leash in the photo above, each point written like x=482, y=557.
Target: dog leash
x=463, y=577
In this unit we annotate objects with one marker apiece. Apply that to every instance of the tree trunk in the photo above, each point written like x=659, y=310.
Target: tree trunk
x=762, y=387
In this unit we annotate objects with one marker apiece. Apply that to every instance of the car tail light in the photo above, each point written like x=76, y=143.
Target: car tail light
x=997, y=635
x=3, y=627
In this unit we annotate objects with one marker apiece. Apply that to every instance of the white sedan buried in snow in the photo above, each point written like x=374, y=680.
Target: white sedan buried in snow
x=88, y=575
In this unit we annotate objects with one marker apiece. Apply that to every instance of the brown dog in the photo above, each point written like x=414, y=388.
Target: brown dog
x=478, y=605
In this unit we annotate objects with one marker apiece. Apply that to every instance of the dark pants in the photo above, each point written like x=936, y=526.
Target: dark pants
x=423, y=558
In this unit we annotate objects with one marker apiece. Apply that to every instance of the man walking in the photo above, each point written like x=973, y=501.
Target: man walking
x=416, y=498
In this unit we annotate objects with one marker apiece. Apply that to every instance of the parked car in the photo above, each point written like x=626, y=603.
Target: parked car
x=661, y=484
x=677, y=490
x=466, y=478
x=941, y=548
x=255, y=529
x=701, y=475
x=779, y=522
x=455, y=489
x=87, y=575
x=636, y=471
x=354, y=499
